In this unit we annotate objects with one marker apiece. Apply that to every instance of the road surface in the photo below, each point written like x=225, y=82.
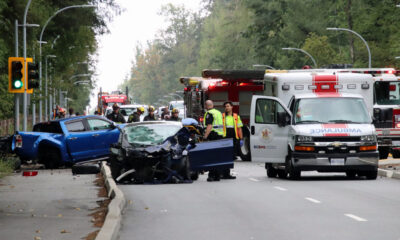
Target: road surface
x=319, y=206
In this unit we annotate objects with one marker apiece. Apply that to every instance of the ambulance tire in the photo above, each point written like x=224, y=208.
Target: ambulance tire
x=244, y=151
x=383, y=152
x=371, y=175
x=282, y=173
x=271, y=172
x=292, y=173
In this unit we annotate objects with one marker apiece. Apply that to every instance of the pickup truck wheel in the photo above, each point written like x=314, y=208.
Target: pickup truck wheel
x=281, y=173
x=383, y=152
x=51, y=159
x=244, y=152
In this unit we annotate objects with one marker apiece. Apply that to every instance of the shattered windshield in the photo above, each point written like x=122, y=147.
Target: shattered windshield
x=150, y=134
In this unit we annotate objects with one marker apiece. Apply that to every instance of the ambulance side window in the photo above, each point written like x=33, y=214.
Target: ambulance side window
x=267, y=111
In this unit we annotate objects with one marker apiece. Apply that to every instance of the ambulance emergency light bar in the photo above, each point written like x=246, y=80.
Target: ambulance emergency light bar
x=286, y=87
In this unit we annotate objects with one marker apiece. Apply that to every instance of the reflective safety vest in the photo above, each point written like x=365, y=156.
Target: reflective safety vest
x=235, y=118
x=217, y=121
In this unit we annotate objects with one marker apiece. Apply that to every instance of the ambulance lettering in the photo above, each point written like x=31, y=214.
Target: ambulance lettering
x=335, y=130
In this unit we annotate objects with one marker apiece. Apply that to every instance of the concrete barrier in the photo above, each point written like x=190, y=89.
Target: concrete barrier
x=388, y=173
x=112, y=223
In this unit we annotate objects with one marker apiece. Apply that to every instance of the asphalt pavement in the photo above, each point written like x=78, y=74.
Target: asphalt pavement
x=319, y=206
x=53, y=205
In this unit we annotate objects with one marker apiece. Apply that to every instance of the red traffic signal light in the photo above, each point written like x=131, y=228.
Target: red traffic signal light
x=16, y=78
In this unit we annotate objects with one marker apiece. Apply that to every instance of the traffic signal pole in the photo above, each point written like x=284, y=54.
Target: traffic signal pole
x=16, y=95
x=24, y=107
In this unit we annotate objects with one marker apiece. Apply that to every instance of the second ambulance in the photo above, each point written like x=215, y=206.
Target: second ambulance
x=309, y=121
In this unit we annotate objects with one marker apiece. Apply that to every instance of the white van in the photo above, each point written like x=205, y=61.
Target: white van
x=311, y=122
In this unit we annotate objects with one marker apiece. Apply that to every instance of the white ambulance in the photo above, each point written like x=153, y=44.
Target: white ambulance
x=314, y=121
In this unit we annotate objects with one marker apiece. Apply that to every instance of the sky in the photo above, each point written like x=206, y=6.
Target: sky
x=138, y=23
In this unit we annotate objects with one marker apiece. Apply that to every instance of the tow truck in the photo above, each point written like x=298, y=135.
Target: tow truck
x=237, y=86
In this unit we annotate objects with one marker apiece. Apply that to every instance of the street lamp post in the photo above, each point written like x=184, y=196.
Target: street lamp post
x=40, y=45
x=358, y=35
x=263, y=65
x=303, y=51
x=46, y=89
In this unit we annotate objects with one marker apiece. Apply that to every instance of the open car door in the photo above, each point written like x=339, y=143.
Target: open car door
x=269, y=128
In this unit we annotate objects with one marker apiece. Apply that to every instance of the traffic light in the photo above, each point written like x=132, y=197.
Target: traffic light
x=32, y=79
x=16, y=78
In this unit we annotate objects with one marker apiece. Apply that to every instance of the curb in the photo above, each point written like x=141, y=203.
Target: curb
x=112, y=223
x=388, y=173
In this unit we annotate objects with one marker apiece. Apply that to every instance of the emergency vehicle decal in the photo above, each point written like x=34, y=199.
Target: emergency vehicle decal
x=266, y=134
x=335, y=130
x=325, y=83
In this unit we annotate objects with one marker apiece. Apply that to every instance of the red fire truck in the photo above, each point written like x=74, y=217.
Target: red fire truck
x=237, y=86
x=107, y=100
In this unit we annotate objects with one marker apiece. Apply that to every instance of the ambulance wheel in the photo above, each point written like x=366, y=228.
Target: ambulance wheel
x=351, y=174
x=281, y=173
x=293, y=173
x=395, y=153
x=383, y=152
x=244, y=152
x=271, y=172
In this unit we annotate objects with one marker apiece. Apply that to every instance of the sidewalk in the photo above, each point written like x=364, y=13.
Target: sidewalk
x=389, y=168
x=52, y=205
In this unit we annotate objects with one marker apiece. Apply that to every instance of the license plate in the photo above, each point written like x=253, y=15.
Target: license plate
x=396, y=143
x=337, y=161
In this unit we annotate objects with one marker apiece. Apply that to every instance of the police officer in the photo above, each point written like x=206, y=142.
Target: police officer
x=115, y=115
x=175, y=115
x=151, y=116
x=213, y=123
x=135, y=117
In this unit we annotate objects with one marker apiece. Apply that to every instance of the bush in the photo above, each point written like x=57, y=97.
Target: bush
x=8, y=164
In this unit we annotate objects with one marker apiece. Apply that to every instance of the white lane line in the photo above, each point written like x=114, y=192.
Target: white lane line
x=254, y=180
x=280, y=188
x=312, y=200
x=357, y=218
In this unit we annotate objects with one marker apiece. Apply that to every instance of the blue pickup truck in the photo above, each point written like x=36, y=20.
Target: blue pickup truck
x=67, y=141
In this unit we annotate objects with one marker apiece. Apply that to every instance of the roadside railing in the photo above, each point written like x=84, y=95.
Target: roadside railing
x=7, y=125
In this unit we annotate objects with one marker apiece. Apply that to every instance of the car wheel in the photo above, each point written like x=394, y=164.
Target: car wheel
x=244, y=152
x=383, y=152
x=115, y=167
x=372, y=175
x=185, y=170
x=351, y=174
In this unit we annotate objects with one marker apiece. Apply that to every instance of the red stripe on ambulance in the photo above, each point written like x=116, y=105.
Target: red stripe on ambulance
x=325, y=83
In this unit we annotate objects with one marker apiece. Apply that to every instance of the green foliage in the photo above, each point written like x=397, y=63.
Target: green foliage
x=70, y=35
x=234, y=34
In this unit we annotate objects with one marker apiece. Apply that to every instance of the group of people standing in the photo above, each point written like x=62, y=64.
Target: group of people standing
x=222, y=125
x=116, y=116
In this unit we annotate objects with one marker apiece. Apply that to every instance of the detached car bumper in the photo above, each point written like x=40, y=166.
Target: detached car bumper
x=364, y=161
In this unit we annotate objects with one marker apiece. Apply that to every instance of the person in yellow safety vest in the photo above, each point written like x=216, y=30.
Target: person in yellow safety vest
x=232, y=128
x=213, y=124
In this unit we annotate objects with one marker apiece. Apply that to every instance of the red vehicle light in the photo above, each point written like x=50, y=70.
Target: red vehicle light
x=397, y=125
x=18, y=141
x=392, y=88
x=29, y=173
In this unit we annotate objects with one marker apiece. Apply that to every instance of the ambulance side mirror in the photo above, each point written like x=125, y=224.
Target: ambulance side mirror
x=283, y=119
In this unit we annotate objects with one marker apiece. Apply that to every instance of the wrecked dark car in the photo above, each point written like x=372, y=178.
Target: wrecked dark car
x=166, y=152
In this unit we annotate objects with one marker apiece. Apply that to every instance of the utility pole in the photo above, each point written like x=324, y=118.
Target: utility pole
x=16, y=95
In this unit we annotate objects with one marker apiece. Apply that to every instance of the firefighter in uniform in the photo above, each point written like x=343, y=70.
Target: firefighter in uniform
x=175, y=115
x=151, y=116
x=135, y=117
x=213, y=123
x=115, y=115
